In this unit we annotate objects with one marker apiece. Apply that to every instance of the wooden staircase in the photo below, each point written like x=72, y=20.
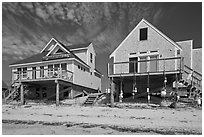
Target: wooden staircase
x=92, y=98
x=12, y=93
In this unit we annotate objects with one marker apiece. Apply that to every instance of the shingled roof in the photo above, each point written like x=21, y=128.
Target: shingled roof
x=38, y=57
x=35, y=58
x=78, y=46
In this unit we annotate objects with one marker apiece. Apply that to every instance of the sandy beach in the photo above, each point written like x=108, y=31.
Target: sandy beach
x=49, y=119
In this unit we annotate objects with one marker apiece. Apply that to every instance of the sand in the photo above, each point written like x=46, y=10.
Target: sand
x=28, y=119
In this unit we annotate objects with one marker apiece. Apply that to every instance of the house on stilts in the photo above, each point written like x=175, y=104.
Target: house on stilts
x=147, y=62
x=58, y=72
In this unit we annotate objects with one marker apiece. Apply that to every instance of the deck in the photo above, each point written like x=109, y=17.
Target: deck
x=45, y=75
x=146, y=67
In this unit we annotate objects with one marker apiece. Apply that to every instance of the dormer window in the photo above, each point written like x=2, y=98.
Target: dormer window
x=91, y=57
x=178, y=52
x=143, y=34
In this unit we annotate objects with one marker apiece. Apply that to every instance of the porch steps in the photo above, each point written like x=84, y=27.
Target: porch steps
x=13, y=94
x=92, y=98
x=191, y=89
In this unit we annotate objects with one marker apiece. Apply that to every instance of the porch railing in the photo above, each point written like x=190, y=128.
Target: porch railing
x=146, y=66
x=193, y=76
x=42, y=74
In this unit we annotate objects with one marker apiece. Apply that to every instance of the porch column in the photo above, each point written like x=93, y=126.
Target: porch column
x=22, y=94
x=148, y=95
x=112, y=90
x=176, y=83
x=57, y=93
x=121, y=91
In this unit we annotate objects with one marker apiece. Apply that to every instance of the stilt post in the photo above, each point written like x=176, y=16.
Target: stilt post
x=121, y=91
x=176, y=83
x=148, y=95
x=22, y=94
x=112, y=90
x=57, y=93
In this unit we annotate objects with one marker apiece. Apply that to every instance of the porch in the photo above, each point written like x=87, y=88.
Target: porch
x=42, y=75
x=144, y=78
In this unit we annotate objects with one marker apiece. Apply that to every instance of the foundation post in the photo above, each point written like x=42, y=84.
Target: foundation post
x=57, y=93
x=121, y=91
x=148, y=94
x=22, y=94
x=176, y=83
x=112, y=90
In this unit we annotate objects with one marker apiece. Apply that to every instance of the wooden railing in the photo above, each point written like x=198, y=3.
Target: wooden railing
x=195, y=77
x=146, y=66
x=42, y=74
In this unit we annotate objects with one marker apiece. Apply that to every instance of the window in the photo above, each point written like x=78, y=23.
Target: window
x=24, y=72
x=178, y=52
x=91, y=57
x=143, y=34
x=18, y=73
x=33, y=72
x=50, y=70
x=64, y=66
x=41, y=71
x=91, y=73
x=78, y=67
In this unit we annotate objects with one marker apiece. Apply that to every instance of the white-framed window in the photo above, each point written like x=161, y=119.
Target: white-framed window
x=25, y=72
x=91, y=57
x=143, y=34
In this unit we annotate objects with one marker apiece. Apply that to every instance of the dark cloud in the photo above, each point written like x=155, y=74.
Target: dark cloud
x=28, y=26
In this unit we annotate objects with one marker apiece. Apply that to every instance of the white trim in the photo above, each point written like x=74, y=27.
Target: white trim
x=175, y=59
x=57, y=44
x=51, y=61
x=113, y=53
x=48, y=44
x=145, y=54
x=191, y=54
x=162, y=34
x=78, y=49
x=159, y=32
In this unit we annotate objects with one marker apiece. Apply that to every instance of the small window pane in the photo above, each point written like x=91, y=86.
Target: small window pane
x=143, y=34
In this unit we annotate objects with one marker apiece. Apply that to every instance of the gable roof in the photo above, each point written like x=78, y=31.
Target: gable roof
x=38, y=57
x=35, y=58
x=78, y=46
x=154, y=28
x=48, y=44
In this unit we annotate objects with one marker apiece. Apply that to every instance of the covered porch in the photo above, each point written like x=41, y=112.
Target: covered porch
x=131, y=88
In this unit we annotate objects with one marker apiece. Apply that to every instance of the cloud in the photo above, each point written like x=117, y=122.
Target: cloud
x=27, y=27
x=157, y=16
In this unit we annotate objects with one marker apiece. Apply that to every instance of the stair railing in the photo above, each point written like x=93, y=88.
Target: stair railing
x=9, y=90
x=196, y=77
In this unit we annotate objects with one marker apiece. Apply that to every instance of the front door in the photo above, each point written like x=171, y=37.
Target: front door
x=133, y=65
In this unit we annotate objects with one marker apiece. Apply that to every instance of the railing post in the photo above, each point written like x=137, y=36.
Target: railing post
x=108, y=70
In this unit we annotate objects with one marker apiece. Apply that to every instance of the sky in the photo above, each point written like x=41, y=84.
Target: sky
x=27, y=27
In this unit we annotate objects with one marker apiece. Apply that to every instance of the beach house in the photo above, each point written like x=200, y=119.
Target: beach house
x=147, y=62
x=58, y=72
